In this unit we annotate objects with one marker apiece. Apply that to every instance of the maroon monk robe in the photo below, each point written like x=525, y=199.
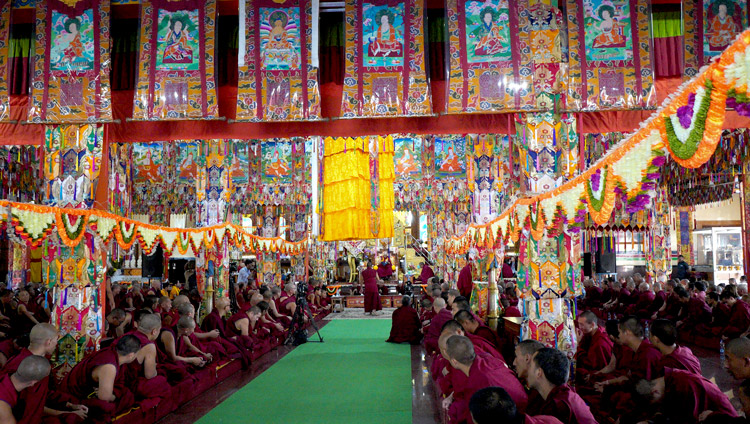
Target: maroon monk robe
x=212, y=346
x=659, y=300
x=426, y=274
x=643, y=305
x=248, y=342
x=564, y=404
x=512, y=312
x=681, y=358
x=283, y=308
x=79, y=384
x=465, y=282
x=484, y=372
x=8, y=348
x=672, y=310
x=433, y=331
x=646, y=363
x=541, y=419
x=30, y=407
x=739, y=320
x=176, y=371
x=593, y=298
x=385, y=269
x=214, y=321
x=483, y=345
x=594, y=353
x=688, y=395
x=372, y=296
x=698, y=312
x=405, y=326
x=486, y=333
x=8, y=393
x=152, y=391
x=625, y=356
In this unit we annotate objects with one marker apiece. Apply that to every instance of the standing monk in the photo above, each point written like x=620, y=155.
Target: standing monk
x=426, y=273
x=465, y=283
x=369, y=278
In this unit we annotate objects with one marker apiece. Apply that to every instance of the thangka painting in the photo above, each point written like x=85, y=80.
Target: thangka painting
x=385, y=61
x=450, y=157
x=152, y=181
x=70, y=82
x=4, y=56
x=147, y=163
x=505, y=55
x=408, y=157
x=240, y=164
x=611, y=63
x=73, y=161
x=277, y=161
x=489, y=174
x=710, y=26
x=278, y=76
x=187, y=162
x=176, y=63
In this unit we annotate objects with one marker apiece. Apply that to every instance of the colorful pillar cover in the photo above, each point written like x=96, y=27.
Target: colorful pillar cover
x=176, y=65
x=610, y=63
x=214, y=183
x=710, y=27
x=358, y=192
x=385, y=60
x=659, y=246
x=505, y=55
x=549, y=149
x=21, y=173
x=278, y=76
x=70, y=82
x=73, y=157
x=120, y=182
x=746, y=214
x=4, y=56
x=491, y=180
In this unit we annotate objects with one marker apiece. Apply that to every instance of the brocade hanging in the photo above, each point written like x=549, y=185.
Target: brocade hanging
x=5, y=25
x=548, y=145
x=213, y=186
x=611, y=62
x=505, y=55
x=596, y=145
x=489, y=163
x=710, y=27
x=73, y=157
x=278, y=78
x=21, y=173
x=120, y=181
x=176, y=78
x=70, y=82
x=385, y=61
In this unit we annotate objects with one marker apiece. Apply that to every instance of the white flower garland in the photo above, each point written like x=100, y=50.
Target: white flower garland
x=681, y=132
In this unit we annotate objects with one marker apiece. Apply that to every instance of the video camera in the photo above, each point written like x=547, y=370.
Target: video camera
x=408, y=288
x=302, y=291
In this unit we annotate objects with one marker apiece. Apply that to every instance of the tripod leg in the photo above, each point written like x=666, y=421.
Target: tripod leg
x=312, y=321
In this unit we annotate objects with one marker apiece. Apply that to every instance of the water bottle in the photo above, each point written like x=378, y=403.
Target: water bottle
x=647, y=330
x=722, y=356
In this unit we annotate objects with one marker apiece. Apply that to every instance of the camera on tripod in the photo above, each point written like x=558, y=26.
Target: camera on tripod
x=408, y=288
x=302, y=290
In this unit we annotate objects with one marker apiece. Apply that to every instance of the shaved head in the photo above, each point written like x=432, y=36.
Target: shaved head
x=185, y=322
x=180, y=300
x=32, y=368
x=463, y=317
x=739, y=347
x=149, y=323
x=529, y=347
x=460, y=349
x=42, y=333
x=185, y=309
x=589, y=317
x=221, y=303
x=439, y=303
x=128, y=344
x=117, y=314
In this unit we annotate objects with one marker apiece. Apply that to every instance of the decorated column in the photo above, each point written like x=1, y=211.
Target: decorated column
x=74, y=262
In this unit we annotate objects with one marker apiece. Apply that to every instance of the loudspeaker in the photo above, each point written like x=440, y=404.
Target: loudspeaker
x=606, y=260
x=153, y=265
x=587, y=265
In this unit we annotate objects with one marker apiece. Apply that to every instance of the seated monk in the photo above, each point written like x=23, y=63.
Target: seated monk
x=644, y=301
x=102, y=373
x=694, y=310
x=593, y=297
x=442, y=315
x=426, y=313
x=118, y=323
x=481, y=345
x=207, y=342
x=275, y=308
x=214, y=323
x=683, y=397
x=719, y=317
x=288, y=300
x=142, y=375
x=173, y=366
x=242, y=326
x=664, y=337
x=548, y=375
x=405, y=324
x=42, y=342
x=452, y=295
x=738, y=358
x=31, y=371
x=168, y=316
x=671, y=307
x=480, y=372
x=494, y=405
x=524, y=353
x=269, y=324
x=594, y=347
x=473, y=326
x=739, y=317
x=509, y=310
x=188, y=345
x=10, y=348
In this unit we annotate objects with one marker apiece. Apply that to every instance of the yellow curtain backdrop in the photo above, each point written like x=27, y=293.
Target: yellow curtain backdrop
x=346, y=192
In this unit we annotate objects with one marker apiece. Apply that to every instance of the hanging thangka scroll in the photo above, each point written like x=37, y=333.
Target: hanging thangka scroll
x=176, y=65
x=490, y=175
x=4, y=58
x=73, y=159
x=385, y=61
x=119, y=178
x=70, y=82
x=213, y=183
x=411, y=190
x=152, y=181
x=505, y=55
x=710, y=27
x=448, y=171
x=278, y=78
x=611, y=64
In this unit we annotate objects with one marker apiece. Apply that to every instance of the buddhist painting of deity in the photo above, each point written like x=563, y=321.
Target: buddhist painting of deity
x=72, y=47
x=187, y=165
x=383, y=35
x=280, y=38
x=277, y=161
x=487, y=31
x=408, y=156
x=177, y=45
x=608, y=31
x=147, y=161
x=239, y=169
x=723, y=20
x=450, y=157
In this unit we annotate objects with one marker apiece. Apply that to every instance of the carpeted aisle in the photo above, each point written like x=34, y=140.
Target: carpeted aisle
x=353, y=377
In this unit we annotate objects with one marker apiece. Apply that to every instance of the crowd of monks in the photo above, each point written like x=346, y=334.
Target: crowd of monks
x=629, y=366
x=153, y=343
